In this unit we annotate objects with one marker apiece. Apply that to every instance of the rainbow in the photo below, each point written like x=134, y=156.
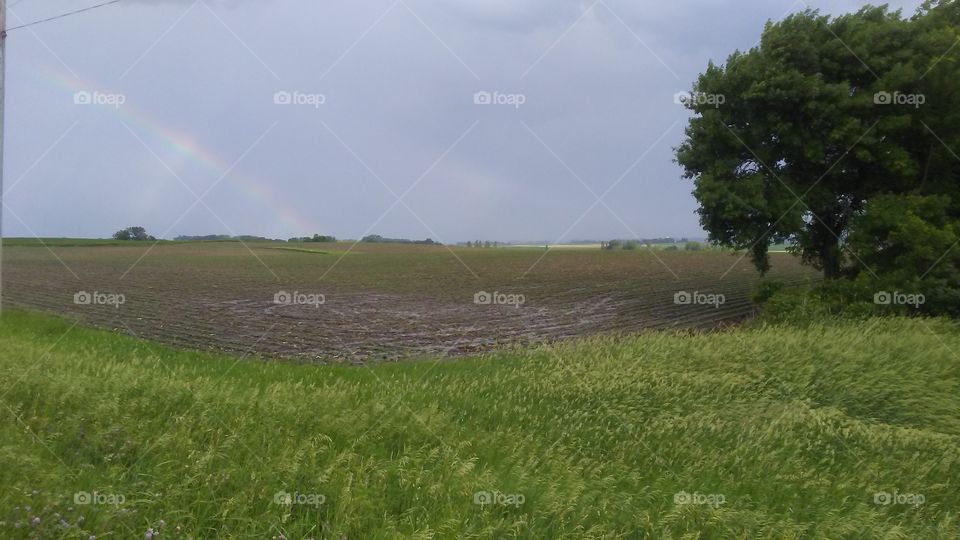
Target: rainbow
x=187, y=148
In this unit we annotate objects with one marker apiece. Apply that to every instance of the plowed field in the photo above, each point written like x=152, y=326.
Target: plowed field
x=378, y=301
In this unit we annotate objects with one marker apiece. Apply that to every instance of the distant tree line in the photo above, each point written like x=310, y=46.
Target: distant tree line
x=317, y=238
x=671, y=244
x=224, y=238
x=377, y=239
x=483, y=244
x=139, y=233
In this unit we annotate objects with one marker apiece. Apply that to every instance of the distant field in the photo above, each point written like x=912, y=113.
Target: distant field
x=554, y=246
x=380, y=301
x=66, y=242
x=836, y=431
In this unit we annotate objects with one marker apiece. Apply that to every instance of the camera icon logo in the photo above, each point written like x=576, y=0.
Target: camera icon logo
x=83, y=298
x=882, y=98
x=682, y=98
x=82, y=498
x=82, y=98
x=483, y=298
x=882, y=298
x=682, y=497
x=282, y=498
x=282, y=98
x=283, y=298
x=682, y=298
x=482, y=498
x=482, y=98
x=882, y=497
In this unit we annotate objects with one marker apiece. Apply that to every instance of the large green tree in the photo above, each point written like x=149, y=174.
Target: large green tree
x=822, y=116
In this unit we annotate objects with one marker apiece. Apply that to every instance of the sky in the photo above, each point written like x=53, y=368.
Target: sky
x=510, y=120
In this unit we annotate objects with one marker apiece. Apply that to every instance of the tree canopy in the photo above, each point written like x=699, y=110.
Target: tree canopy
x=821, y=119
x=132, y=233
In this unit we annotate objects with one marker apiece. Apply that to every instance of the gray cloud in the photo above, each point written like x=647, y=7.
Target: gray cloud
x=200, y=94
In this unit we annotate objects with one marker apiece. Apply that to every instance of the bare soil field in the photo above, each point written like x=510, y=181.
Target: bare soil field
x=378, y=302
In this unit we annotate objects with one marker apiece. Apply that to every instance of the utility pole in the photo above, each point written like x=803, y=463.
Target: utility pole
x=3, y=91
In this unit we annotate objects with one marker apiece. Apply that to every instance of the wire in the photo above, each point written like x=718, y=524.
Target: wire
x=62, y=15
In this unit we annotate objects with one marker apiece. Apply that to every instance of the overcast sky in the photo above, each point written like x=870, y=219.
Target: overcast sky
x=184, y=107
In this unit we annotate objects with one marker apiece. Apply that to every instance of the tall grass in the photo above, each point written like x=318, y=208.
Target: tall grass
x=769, y=432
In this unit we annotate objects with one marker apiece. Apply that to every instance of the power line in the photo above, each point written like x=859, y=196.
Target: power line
x=62, y=15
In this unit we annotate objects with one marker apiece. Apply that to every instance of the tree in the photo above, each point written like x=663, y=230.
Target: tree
x=909, y=243
x=614, y=244
x=133, y=233
x=792, y=139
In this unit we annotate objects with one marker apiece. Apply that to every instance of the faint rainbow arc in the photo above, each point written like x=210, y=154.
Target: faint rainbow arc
x=187, y=147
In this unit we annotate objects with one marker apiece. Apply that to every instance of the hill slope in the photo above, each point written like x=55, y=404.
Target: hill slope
x=768, y=432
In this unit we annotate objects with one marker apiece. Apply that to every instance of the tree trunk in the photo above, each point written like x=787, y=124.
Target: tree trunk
x=830, y=260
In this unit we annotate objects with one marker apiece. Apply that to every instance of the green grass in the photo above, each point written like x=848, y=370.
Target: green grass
x=797, y=429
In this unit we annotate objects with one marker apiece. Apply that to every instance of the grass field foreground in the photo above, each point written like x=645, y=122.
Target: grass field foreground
x=831, y=431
